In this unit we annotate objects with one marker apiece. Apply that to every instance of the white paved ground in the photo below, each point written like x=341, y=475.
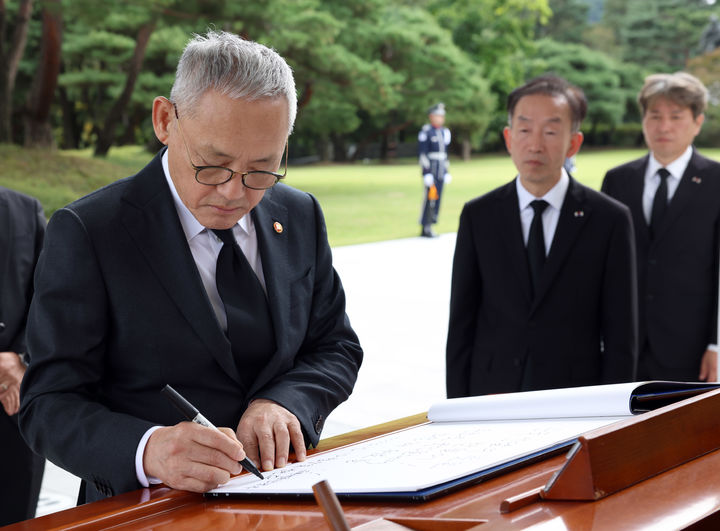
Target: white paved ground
x=398, y=294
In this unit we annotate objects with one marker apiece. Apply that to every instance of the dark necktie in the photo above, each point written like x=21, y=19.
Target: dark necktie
x=536, y=244
x=249, y=324
x=660, y=202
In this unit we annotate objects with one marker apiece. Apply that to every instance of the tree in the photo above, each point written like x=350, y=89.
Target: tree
x=614, y=17
x=38, y=131
x=662, y=35
x=333, y=50
x=103, y=67
x=434, y=69
x=10, y=54
x=608, y=85
x=106, y=133
x=706, y=67
x=366, y=71
x=497, y=35
x=568, y=23
x=595, y=10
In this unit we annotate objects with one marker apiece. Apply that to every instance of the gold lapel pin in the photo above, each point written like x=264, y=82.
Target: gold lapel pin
x=696, y=180
x=278, y=227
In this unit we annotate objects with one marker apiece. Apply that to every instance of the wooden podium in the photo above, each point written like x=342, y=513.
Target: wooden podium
x=684, y=496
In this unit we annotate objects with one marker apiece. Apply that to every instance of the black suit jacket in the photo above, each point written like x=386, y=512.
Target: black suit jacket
x=120, y=311
x=581, y=327
x=22, y=227
x=678, y=270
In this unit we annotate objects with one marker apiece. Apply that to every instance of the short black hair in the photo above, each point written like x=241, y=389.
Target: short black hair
x=552, y=85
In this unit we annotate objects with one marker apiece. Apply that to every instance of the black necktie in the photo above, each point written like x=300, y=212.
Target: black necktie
x=659, y=202
x=249, y=324
x=536, y=244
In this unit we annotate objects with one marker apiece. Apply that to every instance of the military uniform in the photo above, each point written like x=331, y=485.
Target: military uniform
x=432, y=150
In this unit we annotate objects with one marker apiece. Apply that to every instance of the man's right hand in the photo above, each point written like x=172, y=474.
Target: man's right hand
x=191, y=457
x=11, y=374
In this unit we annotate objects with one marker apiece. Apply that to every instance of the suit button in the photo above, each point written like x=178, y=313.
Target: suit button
x=652, y=261
x=650, y=297
x=319, y=423
x=516, y=362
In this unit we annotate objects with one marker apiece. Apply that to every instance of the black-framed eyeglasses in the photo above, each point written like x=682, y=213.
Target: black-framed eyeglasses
x=217, y=175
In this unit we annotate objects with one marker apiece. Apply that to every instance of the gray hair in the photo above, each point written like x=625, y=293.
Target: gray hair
x=681, y=88
x=233, y=67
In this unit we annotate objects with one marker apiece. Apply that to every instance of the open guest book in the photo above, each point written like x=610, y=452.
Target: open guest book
x=466, y=441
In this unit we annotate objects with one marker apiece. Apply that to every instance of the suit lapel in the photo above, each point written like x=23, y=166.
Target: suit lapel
x=573, y=216
x=636, y=184
x=690, y=186
x=509, y=220
x=273, y=229
x=152, y=221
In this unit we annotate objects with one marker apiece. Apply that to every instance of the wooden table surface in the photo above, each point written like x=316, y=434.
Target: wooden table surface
x=687, y=496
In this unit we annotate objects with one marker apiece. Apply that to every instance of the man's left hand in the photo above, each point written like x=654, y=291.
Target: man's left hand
x=11, y=374
x=709, y=366
x=266, y=431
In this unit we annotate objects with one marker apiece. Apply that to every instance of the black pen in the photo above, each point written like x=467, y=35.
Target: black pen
x=193, y=415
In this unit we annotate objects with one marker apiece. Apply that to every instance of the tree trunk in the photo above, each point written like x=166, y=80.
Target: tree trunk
x=107, y=134
x=71, y=131
x=593, y=133
x=306, y=96
x=466, y=148
x=38, y=132
x=339, y=150
x=384, y=141
x=9, y=61
x=127, y=137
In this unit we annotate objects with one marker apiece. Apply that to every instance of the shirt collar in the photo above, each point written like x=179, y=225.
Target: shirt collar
x=676, y=168
x=555, y=196
x=191, y=226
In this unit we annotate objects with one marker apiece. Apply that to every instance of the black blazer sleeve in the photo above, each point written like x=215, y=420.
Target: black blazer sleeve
x=60, y=416
x=619, y=303
x=326, y=364
x=24, y=229
x=465, y=296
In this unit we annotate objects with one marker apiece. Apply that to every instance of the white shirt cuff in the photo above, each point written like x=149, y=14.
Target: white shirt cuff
x=712, y=347
x=144, y=480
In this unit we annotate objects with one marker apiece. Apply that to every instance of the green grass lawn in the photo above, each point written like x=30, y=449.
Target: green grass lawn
x=362, y=202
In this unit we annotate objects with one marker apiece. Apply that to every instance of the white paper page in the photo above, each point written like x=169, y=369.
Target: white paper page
x=594, y=401
x=416, y=458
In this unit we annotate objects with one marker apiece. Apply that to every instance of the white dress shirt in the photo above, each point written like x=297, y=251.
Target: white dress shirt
x=205, y=247
x=554, y=197
x=652, y=179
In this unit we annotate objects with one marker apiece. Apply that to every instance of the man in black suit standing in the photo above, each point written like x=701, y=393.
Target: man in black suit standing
x=674, y=195
x=200, y=272
x=543, y=286
x=22, y=227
